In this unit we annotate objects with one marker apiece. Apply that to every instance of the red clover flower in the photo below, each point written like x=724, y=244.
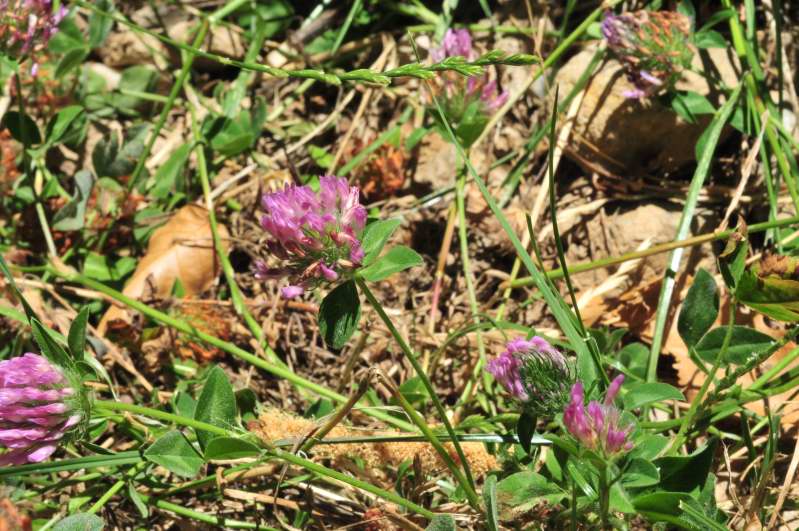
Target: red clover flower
x=599, y=427
x=38, y=407
x=466, y=102
x=653, y=46
x=535, y=373
x=316, y=234
x=26, y=26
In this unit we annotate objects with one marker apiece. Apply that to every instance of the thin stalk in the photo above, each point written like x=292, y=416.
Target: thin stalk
x=775, y=370
x=79, y=463
x=222, y=523
x=113, y=405
x=48, y=235
x=434, y=441
x=604, y=496
x=555, y=274
x=116, y=487
x=463, y=236
x=417, y=70
x=363, y=485
x=188, y=60
x=744, y=52
x=551, y=59
x=592, y=347
x=109, y=405
x=673, y=265
x=697, y=402
x=441, y=263
x=183, y=326
x=37, y=175
x=236, y=296
x=356, y=6
x=468, y=485
x=553, y=299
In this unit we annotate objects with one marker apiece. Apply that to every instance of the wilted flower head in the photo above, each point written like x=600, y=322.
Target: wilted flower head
x=26, y=26
x=598, y=428
x=535, y=373
x=466, y=102
x=38, y=407
x=653, y=46
x=316, y=234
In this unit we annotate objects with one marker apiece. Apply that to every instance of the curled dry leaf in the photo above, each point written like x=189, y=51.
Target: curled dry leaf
x=180, y=250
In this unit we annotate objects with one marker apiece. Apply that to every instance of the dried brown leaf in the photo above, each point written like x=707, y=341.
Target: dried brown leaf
x=180, y=250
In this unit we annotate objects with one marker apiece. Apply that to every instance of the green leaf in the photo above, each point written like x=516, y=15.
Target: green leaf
x=661, y=506
x=167, y=175
x=635, y=357
x=442, y=522
x=105, y=269
x=80, y=522
x=216, y=405
x=525, y=430
x=61, y=123
x=230, y=448
x=414, y=391
x=29, y=313
x=490, y=501
x=770, y=295
x=524, y=490
x=620, y=500
x=375, y=236
x=640, y=473
x=691, y=104
x=339, y=314
x=175, y=453
x=137, y=500
x=230, y=137
x=686, y=473
x=732, y=260
x=642, y=393
x=700, y=309
x=70, y=60
x=49, y=347
x=397, y=259
x=322, y=157
x=99, y=24
x=135, y=79
x=648, y=446
x=77, y=334
x=111, y=161
x=72, y=215
x=745, y=343
x=710, y=39
x=22, y=128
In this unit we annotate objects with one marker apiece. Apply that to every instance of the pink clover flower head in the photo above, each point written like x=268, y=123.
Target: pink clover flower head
x=599, y=426
x=26, y=27
x=315, y=234
x=38, y=409
x=653, y=47
x=456, y=42
x=535, y=373
x=467, y=101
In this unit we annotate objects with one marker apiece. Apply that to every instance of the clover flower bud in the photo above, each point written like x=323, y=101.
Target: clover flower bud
x=315, y=234
x=467, y=102
x=599, y=426
x=653, y=46
x=535, y=373
x=26, y=26
x=39, y=407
